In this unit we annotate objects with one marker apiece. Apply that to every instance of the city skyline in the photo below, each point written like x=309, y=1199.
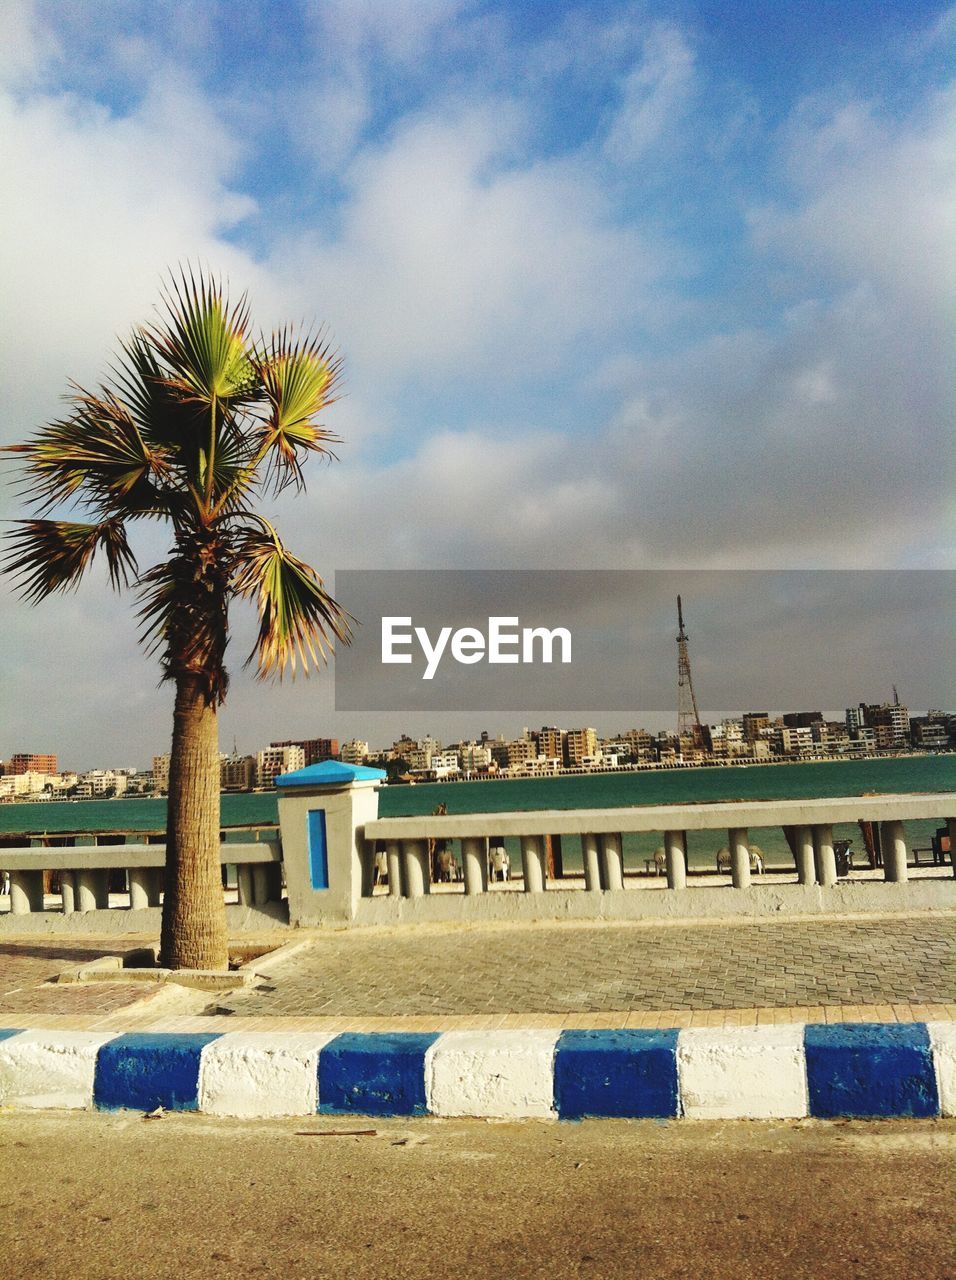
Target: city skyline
x=499, y=733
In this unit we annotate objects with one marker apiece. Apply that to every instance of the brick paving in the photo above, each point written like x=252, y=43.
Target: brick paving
x=590, y=970
x=28, y=968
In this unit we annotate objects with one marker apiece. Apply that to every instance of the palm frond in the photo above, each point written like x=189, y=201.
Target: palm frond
x=163, y=418
x=97, y=455
x=298, y=619
x=45, y=556
x=299, y=378
x=202, y=341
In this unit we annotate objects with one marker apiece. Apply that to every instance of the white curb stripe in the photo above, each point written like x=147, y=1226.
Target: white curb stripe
x=497, y=1073
x=50, y=1068
x=942, y=1037
x=261, y=1073
x=742, y=1072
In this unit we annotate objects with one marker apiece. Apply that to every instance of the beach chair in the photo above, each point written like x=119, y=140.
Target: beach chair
x=756, y=859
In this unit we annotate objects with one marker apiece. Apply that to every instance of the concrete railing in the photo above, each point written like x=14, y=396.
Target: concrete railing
x=808, y=825
x=84, y=873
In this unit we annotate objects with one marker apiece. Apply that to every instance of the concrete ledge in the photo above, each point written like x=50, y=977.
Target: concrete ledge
x=824, y=1071
x=117, y=920
x=760, y=901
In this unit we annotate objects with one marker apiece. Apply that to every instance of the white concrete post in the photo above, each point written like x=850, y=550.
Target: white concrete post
x=416, y=873
x=92, y=889
x=26, y=892
x=142, y=888
x=824, y=858
x=532, y=863
x=393, y=858
x=674, y=856
x=612, y=861
x=68, y=892
x=739, y=841
x=323, y=810
x=244, y=885
x=260, y=883
x=806, y=867
x=474, y=860
x=951, y=828
x=590, y=856
x=893, y=844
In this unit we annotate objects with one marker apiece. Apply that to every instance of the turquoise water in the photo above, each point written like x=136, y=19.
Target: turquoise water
x=599, y=791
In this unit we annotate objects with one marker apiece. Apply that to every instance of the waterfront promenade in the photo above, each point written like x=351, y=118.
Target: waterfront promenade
x=602, y=974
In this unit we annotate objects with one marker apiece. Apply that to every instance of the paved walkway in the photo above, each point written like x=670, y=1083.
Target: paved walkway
x=28, y=970
x=601, y=968
x=630, y=974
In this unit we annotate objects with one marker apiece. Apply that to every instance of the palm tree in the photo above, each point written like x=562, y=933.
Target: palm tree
x=196, y=420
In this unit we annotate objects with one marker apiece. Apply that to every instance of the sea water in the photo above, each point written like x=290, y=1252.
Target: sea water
x=593, y=791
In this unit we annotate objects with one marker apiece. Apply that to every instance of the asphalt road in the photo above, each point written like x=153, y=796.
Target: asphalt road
x=102, y=1196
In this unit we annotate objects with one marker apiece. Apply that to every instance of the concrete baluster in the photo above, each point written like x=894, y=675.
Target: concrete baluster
x=675, y=859
x=26, y=892
x=68, y=892
x=591, y=857
x=393, y=858
x=612, y=861
x=368, y=868
x=89, y=889
x=474, y=859
x=244, y=885
x=806, y=867
x=532, y=864
x=893, y=841
x=140, y=883
x=415, y=863
x=951, y=828
x=824, y=858
x=739, y=841
x=260, y=883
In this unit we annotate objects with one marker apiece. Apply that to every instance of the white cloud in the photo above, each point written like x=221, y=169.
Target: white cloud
x=96, y=207
x=873, y=201
x=456, y=259
x=656, y=95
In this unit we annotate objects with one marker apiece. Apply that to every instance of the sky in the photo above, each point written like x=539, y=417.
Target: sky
x=661, y=285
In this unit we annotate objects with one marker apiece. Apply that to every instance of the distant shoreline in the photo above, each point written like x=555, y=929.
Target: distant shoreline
x=655, y=766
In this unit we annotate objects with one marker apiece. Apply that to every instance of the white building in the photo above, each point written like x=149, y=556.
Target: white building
x=27, y=784
x=445, y=763
x=354, y=752
x=272, y=761
x=474, y=756
x=101, y=782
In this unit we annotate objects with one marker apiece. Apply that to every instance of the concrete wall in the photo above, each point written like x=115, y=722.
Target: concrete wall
x=757, y=901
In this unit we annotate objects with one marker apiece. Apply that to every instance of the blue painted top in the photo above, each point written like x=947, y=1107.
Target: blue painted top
x=329, y=773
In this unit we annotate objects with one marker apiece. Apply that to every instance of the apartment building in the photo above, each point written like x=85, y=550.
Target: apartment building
x=275, y=760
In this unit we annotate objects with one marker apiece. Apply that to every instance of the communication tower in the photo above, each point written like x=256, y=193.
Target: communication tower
x=688, y=717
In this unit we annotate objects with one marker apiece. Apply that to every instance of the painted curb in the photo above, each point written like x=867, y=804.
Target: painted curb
x=823, y=1071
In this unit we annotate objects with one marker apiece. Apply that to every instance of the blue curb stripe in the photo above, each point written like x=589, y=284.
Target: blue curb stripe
x=870, y=1069
x=144, y=1070
x=616, y=1073
x=5, y=1034
x=375, y=1075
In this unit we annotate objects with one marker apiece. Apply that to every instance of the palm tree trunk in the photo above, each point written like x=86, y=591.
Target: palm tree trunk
x=194, y=914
